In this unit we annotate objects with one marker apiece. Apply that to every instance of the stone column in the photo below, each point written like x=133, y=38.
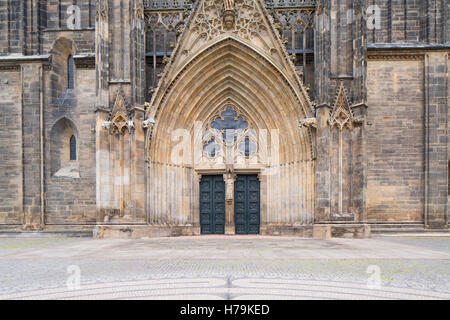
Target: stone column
x=137, y=167
x=31, y=143
x=340, y=61
x=229, y=179
x=323, y=170
x=436, y=140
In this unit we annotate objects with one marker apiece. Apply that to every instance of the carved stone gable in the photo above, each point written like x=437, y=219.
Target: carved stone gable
x=341, y=115
x=212, y=21
x=246, y=22
x=120, y=120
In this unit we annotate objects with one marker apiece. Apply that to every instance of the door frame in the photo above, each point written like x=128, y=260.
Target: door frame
x=230, y=228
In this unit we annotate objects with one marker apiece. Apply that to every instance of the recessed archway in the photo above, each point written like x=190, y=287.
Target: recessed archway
x=230, y=73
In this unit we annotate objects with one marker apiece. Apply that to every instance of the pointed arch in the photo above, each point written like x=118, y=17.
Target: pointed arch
x=73, y=148
x=230, y=70
x=63, y=66
x=63, y=143
x=70, y=73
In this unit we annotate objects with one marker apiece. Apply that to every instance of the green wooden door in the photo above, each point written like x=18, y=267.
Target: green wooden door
x=212, y=205
x=247, y=204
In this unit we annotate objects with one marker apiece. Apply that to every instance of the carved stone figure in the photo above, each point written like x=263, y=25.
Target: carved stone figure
x=229, y=14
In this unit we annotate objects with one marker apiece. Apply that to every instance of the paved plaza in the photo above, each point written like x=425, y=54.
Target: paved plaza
x=221, y=267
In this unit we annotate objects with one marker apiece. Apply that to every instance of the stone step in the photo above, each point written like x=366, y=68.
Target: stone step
x=46, y=234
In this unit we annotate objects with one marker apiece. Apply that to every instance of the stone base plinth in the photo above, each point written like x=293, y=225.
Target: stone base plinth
x=347, y=230
x=287, y=230
x=143, y=231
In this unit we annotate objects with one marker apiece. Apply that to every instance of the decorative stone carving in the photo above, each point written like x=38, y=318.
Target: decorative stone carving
x=308, y=123
x=230, y=178
x=10, y=67
x=341, y=115
x=229, y=135
x=120, y=120
x=293, y=19
x=229, y=14
x=149, y=123
x=170, y=21
x=248, y=19
x=106, y=125
x=228, y=5
x=102, y=10
x=395, y=57
x=139, y=10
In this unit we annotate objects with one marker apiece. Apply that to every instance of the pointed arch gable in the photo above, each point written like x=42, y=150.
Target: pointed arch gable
x=229, y=41
x=230, y=69
x=246, y=67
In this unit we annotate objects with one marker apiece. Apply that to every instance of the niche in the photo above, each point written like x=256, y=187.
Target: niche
x=64, y=147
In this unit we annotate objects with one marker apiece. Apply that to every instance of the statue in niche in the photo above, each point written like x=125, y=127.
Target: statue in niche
x=228, y=14
x=230, y=187
x=229, y=183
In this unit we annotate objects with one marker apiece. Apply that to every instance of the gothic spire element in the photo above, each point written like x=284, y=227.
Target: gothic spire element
x=120, y=120
x=138, y=10
x=102, y=10
x=341, y=115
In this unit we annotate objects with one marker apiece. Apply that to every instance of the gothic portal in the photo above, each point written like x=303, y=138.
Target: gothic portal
x=163, y=118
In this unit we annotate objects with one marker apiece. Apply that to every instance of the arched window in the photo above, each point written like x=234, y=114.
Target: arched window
x=228, y=130
x=70, y=76
x=73, y=148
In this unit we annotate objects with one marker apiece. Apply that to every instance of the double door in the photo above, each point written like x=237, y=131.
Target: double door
x=246, y=204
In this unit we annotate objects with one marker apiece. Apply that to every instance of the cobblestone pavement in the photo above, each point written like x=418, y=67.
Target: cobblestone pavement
x=220, y=267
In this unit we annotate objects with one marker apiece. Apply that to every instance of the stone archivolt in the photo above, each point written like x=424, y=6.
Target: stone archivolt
x=245, y=67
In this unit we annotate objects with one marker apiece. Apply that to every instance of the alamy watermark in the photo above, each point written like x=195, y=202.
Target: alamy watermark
x=74, y=277
x=73, y=20
x=372, y=16
x=374, y=277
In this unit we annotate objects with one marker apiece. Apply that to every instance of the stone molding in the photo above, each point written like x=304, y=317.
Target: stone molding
x=396, y=57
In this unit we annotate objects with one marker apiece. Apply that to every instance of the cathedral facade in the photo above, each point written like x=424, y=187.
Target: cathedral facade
x=139, y=118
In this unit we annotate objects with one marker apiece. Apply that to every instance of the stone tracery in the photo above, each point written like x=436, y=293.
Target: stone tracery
x=208, y=23
x=228, y=131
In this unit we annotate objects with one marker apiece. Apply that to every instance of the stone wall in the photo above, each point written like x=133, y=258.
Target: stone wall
x=72, y=200
x=411, y=21
x=395, y=141
x=11, y=200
